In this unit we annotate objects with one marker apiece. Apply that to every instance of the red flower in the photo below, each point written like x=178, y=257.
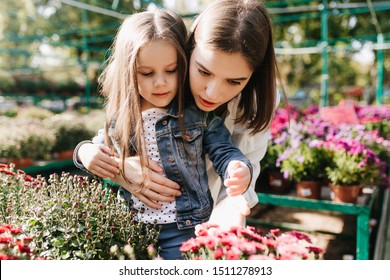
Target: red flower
x=300, y=235
x=190, y=246
x=21, y=172
x=28, y=178
x=6, y=239
x=23, y=248
x=16, y=230
x=315, y=249
x=113, y=228
x=201, y=231
x=7, y=171
x=4, y=228
x=7, y=257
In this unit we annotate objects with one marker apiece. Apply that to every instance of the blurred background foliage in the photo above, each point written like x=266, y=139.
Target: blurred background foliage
x=58, y=47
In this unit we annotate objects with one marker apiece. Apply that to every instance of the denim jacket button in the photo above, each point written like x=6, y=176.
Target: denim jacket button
x=171, y=160
x=187, y=136
x=164, y=122
x=188, y=222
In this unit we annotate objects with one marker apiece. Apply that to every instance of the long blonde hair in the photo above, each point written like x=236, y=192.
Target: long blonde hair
x=119, y=79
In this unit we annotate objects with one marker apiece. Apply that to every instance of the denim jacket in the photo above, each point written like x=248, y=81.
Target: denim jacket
x=183, y=157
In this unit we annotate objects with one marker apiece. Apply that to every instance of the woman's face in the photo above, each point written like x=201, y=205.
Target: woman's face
x=216, y=77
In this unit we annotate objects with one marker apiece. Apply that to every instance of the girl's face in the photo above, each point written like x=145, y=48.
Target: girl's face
x=216, y=77
x=157, y=74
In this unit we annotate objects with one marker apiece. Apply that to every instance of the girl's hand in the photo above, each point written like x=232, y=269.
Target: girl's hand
x=157, y=189
x=98, y=159
x=239, y=176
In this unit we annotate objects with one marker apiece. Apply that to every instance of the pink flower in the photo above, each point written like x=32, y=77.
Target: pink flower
x=233, y=253
x=210, y=243
x=189, y=246
x=261, y=257
x=218, y=254
x=247, y=243
x=200, y=230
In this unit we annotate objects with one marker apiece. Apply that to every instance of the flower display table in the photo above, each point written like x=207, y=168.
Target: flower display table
x=361, y=211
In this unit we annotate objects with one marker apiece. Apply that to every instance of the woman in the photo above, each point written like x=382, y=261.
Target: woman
x=233, y=71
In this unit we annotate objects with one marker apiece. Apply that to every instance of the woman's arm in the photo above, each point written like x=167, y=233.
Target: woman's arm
x=156, y=189
x=93, y=156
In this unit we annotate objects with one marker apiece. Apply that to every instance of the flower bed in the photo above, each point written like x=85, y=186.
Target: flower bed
x=357, y=153
x=71, y=217
x=241, y=243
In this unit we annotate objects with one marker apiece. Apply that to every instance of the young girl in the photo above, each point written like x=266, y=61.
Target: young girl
x=228, y=33
x=143, y=84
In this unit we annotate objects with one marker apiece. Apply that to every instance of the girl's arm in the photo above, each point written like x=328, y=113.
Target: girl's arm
x=236, y=208
x=94, y=157
x=253, y=147
x=97, y=159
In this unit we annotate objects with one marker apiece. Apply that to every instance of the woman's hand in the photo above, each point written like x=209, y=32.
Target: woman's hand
x=239, y=177
x=98, y=159
x=156, y=189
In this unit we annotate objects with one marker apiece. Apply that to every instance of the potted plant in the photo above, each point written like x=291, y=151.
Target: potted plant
x=352, y=167
x=277, y=143
x=11, y=142
x=24, y=140
x=276, y=181
x=39, y=141
x=69, y=130
x=304, y=162
x=305, y=158
x=376, y=118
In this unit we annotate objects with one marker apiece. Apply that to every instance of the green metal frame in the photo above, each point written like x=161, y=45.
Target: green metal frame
x=362, y=213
